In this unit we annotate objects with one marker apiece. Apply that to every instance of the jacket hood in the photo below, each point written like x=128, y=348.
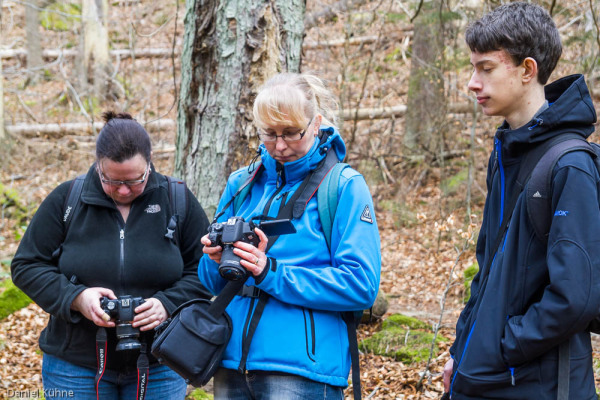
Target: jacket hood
x=329, y=137
x=570, y=110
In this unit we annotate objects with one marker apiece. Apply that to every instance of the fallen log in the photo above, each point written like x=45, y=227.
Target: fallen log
x=58, y=130
x=353, y=41
x=396, y=111
x=70, y=128
x=50, y=54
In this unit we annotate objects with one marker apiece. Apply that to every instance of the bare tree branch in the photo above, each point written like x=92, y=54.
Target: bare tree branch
x=330, y=12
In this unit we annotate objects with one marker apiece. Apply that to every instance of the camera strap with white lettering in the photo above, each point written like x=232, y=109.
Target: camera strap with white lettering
x=101, y=345
x=143, y=365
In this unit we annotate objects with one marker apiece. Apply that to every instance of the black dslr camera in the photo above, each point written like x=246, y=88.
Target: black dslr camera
x=236, y=229
x=122, y=310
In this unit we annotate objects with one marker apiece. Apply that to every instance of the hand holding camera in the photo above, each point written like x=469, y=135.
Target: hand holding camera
x=88, y=304
x=122, y=310
x=243, y=245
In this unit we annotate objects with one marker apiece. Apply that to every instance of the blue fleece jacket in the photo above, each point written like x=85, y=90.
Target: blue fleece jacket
x=535, y=295
x=301, y=330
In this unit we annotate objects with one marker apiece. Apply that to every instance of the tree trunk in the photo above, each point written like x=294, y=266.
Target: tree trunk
x=426, y=104
x=32, y=29
x=96, y=59
x=230, y=48
x=2, y=133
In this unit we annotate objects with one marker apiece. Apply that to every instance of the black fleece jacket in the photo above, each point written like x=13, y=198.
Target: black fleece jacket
x=101, y=250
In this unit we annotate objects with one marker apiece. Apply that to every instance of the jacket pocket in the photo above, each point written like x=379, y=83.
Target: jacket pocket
x=497, y=384
x=309, y=334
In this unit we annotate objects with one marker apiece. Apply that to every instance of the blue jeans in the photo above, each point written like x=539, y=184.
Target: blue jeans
x=231, y=385
x=65, y=380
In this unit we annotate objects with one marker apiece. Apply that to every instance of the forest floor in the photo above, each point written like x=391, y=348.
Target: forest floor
x=428, y=224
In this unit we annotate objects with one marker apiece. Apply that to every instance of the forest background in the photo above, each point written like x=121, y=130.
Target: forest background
x=400, y=70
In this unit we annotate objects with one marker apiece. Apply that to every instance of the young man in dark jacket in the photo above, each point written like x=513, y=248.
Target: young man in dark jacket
x=529, y=296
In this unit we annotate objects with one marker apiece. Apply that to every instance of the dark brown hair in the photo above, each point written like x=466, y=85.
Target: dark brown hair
x=121, y=138
x=523, y=30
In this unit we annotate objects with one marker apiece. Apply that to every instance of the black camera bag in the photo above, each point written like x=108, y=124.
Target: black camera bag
x=192, y=341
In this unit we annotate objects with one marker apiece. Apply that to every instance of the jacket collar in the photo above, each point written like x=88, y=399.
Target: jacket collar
x=571, y=110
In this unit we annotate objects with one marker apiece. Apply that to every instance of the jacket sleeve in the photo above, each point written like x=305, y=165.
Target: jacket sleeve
x=351, y=281
x=572, y=297
x=34, y=269
x=188, y=287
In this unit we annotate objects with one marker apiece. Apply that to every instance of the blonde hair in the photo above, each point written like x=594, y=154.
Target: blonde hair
x=289, y=98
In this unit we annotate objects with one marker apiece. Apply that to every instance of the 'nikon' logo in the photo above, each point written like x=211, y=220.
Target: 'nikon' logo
x=67, y=213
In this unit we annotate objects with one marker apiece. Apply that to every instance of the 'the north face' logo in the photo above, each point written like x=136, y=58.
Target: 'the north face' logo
x=152, y=208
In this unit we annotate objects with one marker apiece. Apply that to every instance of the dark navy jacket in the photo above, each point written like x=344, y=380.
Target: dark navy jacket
x=535, y=295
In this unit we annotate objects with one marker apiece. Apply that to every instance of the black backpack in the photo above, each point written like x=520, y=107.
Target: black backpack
x=539, y=211
x=177, y=198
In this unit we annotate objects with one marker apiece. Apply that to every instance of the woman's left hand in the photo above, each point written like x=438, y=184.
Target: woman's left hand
x=253, y=258
x=149, y=314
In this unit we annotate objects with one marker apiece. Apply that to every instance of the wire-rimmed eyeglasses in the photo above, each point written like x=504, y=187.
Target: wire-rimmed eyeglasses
x=287, y=137
x=130, y=183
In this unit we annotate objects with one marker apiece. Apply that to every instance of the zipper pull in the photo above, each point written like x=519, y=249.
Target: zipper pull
x=512, y=376
x=122, y=234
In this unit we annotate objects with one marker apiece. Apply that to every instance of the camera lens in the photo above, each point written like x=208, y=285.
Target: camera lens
x=232, y=273
x=230, y=267
x=127, y=336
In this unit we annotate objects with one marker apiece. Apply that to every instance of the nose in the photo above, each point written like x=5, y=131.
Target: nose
x=474, y=83
x=280, y=144
x=123, y=189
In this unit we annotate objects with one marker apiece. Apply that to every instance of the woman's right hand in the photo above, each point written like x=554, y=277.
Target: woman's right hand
x=88, y=304
x=214, y=252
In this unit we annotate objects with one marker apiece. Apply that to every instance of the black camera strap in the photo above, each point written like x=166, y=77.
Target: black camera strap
x=101, y=340
x=143, y=365
x=143, y=370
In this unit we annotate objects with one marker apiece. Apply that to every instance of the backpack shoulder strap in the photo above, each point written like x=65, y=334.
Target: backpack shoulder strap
x=72, y=201
x=539, y=188
x=178, y=199
x=246, y=182
x=327, y=199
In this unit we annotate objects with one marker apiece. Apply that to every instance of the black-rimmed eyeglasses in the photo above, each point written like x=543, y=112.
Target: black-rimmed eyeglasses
x=287, y=137
x=134, y=182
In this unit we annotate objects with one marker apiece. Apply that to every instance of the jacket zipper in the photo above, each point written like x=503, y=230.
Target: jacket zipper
x=121, y=258
x=280, y=183
x=498, y=159
x=462, y=356
x=498, y=145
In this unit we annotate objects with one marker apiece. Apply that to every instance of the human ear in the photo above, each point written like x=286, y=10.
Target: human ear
x=530, y=70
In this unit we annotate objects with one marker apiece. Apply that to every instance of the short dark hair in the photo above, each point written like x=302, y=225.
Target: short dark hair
x=523, y=30
x=122, y=138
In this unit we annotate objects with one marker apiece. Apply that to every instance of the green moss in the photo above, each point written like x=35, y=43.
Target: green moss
x=452, y=184
x=399, y=320
x=11, y=298
x=393, y=17
x=12, y=205
x=403, y=338
x=199, y=394
x=403, y=216
x=468, y=275
x=61, y=16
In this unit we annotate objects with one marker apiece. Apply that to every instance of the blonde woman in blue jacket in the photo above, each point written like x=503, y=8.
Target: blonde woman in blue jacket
x=299, y=349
